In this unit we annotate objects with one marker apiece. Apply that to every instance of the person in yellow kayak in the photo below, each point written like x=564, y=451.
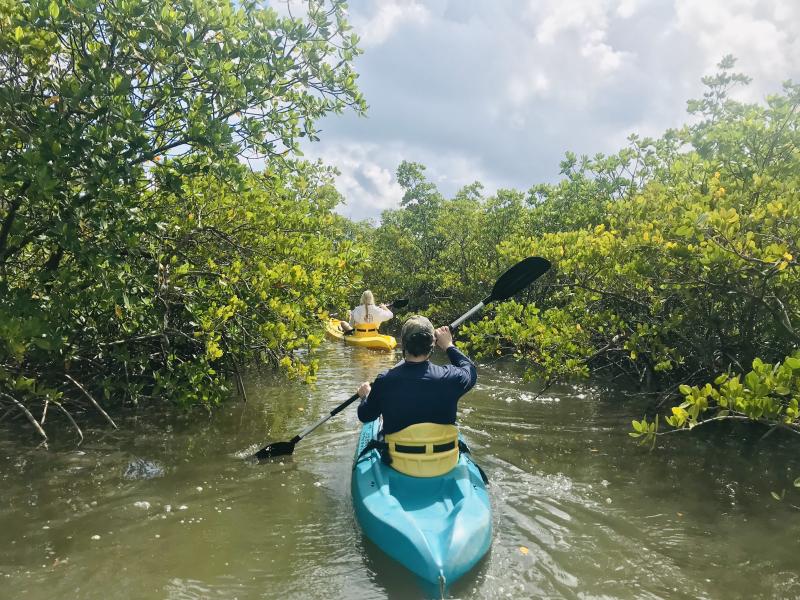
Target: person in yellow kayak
x=418, y=401
x=366, y=314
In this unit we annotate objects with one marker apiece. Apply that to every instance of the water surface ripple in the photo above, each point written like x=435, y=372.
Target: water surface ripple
x=165, y=508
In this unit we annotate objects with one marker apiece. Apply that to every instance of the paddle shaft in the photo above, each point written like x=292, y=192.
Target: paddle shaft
x=324, y=419
x=477, y=308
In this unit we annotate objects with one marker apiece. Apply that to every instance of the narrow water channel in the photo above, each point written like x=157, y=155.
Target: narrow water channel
x=166, y=508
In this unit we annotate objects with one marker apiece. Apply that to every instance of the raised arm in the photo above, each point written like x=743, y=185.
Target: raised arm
x=464, y=373
x=383, y=313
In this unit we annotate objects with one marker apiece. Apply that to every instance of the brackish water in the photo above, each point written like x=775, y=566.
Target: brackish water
x=166, y=508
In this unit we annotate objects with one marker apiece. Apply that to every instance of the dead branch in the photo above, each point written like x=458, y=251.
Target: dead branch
x=92, y=400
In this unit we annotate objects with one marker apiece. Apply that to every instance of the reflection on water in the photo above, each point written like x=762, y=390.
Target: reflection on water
x=163, y=508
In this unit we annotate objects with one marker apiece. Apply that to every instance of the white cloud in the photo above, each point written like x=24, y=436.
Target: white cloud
x=602, y=54
x=387, y=17
x=374, y=22
x=585, y=20
x=367, y=184
x=627, y=8
x=522, y=87
x=498, y=91
x=762, y=34
x=367, y=173
x=555, y=17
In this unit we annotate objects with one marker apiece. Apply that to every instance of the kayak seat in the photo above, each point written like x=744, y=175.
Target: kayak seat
x=424, y=449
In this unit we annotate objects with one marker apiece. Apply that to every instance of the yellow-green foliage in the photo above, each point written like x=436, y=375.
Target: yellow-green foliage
x=768, y=394
x=255, y=269
x=673, y=261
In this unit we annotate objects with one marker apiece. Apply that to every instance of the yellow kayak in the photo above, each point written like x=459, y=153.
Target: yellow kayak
x=364, y=337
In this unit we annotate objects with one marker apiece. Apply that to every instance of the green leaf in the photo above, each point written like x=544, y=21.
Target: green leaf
x=751, y=380
x=53, y=10
x=797, y=482
x=793, y=363
x=684, y=389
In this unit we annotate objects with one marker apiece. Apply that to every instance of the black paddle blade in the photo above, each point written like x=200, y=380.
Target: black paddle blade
x=518, y=277
x=273, y=450
x=399, y=303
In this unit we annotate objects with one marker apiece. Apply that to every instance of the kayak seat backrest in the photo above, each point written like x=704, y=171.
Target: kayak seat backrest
x=366, y=329
x=424, y=449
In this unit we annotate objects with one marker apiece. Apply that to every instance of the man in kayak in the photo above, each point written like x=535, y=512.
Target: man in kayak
x=416, y=390
x=366, y=313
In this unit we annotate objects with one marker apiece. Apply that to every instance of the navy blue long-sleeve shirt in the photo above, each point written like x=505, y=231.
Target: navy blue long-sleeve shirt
x=420, y=392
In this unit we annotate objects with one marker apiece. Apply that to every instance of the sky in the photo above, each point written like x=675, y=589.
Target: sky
x=497, y=91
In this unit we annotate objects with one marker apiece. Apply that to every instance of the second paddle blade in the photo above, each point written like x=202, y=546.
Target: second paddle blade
x=399, y=303
x=275, y=449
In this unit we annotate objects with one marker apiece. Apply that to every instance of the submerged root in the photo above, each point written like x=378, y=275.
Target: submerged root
x=92, y=400
x=27, y=414
x=71, y=420
x=38, y=425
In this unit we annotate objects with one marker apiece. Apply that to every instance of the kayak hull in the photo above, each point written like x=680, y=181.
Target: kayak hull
x=436, y=527
x=374, y=341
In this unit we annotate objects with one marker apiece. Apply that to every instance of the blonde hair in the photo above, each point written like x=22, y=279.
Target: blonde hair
x=367, y=299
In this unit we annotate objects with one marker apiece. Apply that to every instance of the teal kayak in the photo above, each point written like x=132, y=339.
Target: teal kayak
x=436, y=527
